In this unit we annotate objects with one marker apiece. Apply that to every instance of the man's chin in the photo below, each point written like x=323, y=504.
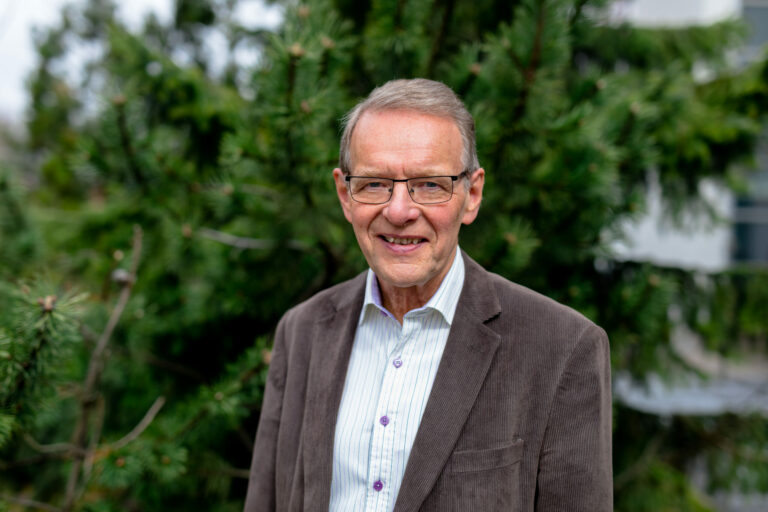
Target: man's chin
x=401, y=280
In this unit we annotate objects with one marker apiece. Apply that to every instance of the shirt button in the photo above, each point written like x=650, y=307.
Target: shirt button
x=377, y=485
x=397, y=363
x=384, y=420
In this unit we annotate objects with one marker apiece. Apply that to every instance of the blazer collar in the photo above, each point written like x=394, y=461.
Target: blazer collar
x=468, y=353
x=331, y=345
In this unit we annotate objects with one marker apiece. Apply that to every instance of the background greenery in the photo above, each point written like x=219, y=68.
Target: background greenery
x=161, y=215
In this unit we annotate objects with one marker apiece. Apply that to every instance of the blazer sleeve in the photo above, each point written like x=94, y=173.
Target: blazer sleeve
x=575, y=466
x=260, y=496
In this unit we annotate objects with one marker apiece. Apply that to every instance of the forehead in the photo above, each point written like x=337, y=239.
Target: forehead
x=403, y=140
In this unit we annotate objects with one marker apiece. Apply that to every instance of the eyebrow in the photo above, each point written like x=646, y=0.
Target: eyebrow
x=420, y=173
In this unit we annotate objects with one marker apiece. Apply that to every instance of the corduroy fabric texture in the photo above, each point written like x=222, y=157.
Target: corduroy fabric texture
x=519, y=417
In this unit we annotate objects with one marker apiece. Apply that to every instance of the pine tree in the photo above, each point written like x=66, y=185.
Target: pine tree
x=195, y=206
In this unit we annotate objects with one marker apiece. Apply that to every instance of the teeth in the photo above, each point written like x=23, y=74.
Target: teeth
x=402, y=241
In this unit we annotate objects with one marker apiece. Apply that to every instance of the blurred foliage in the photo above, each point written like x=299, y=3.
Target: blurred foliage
x=225, y=167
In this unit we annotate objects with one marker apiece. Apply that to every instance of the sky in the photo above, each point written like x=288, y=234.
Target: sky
x=18, y=17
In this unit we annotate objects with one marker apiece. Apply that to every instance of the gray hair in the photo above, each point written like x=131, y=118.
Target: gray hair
x=419, y=95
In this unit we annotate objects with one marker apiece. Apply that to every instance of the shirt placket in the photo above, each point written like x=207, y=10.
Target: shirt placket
x=385, y=424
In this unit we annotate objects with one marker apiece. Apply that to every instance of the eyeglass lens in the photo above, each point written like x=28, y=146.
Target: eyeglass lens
x=427, y=190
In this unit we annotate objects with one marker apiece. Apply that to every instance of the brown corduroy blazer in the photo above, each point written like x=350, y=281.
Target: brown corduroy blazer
x=519, y=417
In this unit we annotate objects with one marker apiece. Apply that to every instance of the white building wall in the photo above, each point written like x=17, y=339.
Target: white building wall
x=698, y=244
x=675, y=13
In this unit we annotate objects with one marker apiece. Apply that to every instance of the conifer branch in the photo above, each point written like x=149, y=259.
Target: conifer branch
x=246, y=438
x=90, y=454
x=22, y=378
x=192, y=423
x=233, y=472
x=88, y=399
x=517, y=62
x=25, y=502
x=576, y=14
x=242, y=242
x=242, y=379
x=35, y=459
x=125, y=141
x=398, y=17
x=437, y=44
x=296, y=53
x=173, y=366
x=529, y=74
x=88, y=335
x=95, y=366
x=259, y=190
x=330, y=267
x=49, y=448
x=18, y=219
x=649, y=454
x=142, y=425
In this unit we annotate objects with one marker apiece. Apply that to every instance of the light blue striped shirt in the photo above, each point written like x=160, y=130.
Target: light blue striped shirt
x=390, y=376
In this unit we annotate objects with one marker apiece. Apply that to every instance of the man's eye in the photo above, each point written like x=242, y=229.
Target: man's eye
x=374, y=185
x=429, y=185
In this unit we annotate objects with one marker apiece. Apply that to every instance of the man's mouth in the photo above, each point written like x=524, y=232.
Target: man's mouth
x=401, y=241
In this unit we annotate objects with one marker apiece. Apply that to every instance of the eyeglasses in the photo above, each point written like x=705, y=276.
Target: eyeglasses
x=423, y=190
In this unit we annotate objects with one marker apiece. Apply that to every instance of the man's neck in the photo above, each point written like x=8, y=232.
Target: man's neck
x=399, y=301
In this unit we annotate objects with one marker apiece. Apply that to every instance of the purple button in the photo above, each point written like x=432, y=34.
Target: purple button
x=383, y=313
x=397, y=362
x=377, y=485
x=384, y=420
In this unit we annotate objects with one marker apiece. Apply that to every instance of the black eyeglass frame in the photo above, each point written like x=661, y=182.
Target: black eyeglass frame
x=454, y=178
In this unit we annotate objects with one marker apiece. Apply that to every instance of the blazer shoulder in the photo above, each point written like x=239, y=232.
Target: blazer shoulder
x=536, y=301
x=500, y=299
x=534, y=312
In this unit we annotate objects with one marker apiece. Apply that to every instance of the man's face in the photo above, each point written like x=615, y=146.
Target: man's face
x=405, y=243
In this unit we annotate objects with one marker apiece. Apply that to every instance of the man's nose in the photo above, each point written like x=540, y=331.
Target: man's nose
x=401, y=208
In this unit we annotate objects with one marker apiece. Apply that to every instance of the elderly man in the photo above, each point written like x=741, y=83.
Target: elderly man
x=428, y=383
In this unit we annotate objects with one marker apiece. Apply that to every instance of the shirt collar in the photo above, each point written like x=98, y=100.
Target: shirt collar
x=443, y=301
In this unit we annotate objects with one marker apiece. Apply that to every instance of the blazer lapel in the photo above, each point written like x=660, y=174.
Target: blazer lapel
x=332, y=343
x=468, y=353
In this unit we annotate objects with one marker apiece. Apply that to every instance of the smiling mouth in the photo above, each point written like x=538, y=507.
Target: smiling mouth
x=402, y=241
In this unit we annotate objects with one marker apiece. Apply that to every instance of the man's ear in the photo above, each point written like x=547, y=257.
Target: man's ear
x=342, y=192
x=474, y=196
